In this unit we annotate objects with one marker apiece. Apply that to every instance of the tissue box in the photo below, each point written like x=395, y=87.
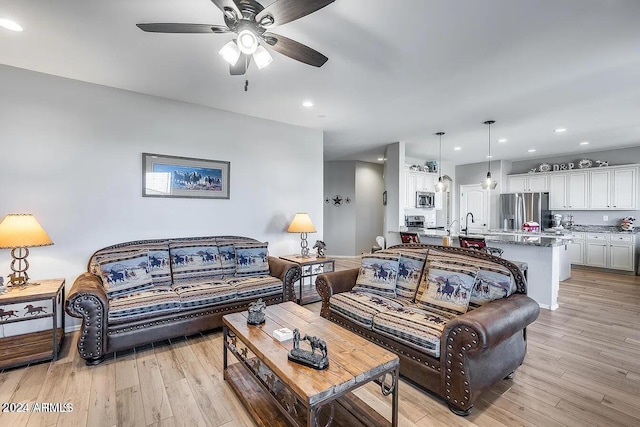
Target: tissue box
x=283, y=334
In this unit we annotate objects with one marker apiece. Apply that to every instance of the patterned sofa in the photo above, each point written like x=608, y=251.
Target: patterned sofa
x=144, y=291
x=457, y=320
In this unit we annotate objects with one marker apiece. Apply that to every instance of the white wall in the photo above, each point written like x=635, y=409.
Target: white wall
x=70, y=153
x=369, y=208
x=340, y=180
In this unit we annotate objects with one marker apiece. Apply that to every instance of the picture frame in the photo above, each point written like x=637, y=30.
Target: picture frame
x=184, y=177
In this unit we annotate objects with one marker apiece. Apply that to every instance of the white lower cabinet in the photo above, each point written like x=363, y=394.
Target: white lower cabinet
x=577, y=249
x=605, y=250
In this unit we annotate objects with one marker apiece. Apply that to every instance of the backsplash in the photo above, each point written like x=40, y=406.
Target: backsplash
x=595, y=217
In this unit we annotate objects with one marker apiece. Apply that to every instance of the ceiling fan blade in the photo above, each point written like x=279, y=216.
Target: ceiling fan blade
x=231, y=4
x=295, y=50
x=183, y=28
x=284, y=11
x=241, y=66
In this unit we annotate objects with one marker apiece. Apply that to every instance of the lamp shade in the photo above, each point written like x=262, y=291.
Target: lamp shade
x=22, y=230
x=301, y=224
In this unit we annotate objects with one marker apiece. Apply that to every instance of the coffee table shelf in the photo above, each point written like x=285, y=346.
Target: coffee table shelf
x=277, y=392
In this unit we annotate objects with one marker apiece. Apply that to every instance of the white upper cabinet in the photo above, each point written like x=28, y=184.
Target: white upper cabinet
x=605, y=188
x=614, y=189
x=569, y=191
x=417, y=181
x=520, y=183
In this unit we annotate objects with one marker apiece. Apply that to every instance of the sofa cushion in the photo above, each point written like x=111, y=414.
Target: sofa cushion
x=227, y=252
x=410, y=266
x=125, y=273
x=251, y=259
x=412, y=326
x=254, y=287
x=447, y=281
x=361, y=306
x=492, y=282
x=205, y=293
x=141, y=305
x=159, y=260
x=195, y=261
x=378, y=274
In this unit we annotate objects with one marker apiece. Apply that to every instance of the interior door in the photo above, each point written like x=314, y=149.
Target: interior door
x=475, y=200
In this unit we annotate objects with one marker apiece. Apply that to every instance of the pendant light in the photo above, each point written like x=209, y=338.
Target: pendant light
x=489, y=183
x=441, y=187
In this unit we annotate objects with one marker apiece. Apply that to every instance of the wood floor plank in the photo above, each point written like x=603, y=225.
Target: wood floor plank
x=130, y=410
x=102, y=399
x=154, y=396
x=126, y=370
x=184, y=406
x=26, y=391
x=56, y=378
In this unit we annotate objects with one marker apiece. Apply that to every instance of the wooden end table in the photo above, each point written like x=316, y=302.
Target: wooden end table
x=311, y=267
x=39, y=307
x=278, y=392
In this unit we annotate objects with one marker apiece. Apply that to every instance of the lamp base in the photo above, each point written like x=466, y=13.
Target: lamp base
x=19, y=278
x=304, y=252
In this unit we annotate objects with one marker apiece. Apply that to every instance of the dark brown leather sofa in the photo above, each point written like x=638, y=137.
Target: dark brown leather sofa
x=477, y=349
x=88, y=300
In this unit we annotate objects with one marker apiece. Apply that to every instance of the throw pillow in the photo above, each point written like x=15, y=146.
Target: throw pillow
x=126, y=273
x=378, y=275
x=410, y=266
x=492, y=283
x=252, y=259
x=196, y=261
x=446, y=283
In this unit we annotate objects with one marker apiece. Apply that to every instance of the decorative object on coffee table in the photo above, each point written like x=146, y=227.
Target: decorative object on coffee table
x=302, y=224
x=19, y=232
x=311, y=359
x=256, y=312
x=320, y=246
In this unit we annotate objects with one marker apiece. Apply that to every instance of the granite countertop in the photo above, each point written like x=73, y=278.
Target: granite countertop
x=529, y=239
x=601, y=229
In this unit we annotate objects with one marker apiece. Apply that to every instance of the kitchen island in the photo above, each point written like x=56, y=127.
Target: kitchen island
x=546, y=254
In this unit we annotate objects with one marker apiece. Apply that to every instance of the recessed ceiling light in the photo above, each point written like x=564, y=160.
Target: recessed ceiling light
x=559, y=130
x=307, y=104
x=381, y=159
x=10, y=25
x=489, y=157
x=457, y=148
x=502, y=140
x=531, y=150
x=584, y=143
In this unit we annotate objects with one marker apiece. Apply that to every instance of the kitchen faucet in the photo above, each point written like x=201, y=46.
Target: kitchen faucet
x=466, y=223
x=448, y=230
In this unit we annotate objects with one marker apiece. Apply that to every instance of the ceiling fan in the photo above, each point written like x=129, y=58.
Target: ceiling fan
x=250, y=21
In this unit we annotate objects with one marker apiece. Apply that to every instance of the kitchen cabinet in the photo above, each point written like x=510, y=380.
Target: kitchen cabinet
x=568, y=191
x=577, y=248
x=615, y=251
x=531, y=182
x=614, y=189
x=419, y=181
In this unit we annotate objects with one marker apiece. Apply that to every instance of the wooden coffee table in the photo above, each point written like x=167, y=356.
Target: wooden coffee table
x=270, y=386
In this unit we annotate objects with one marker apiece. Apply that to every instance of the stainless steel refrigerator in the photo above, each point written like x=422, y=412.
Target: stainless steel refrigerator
x=518, y=208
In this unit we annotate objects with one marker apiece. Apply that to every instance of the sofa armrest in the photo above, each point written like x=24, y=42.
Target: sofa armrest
x=328, y=284
x=287, y=271
x=483, y=346
x=494, y=322
x=88, y=300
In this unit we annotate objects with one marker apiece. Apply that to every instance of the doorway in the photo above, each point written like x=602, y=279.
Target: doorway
x=475, y=200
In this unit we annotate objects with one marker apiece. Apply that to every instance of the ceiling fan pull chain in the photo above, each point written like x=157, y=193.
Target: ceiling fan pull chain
x=246, y=85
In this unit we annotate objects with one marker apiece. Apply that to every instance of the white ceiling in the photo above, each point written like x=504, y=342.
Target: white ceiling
x=397, y=70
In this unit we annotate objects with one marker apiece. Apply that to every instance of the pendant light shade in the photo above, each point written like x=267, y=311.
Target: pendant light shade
x=489, y=183
x=441, y=186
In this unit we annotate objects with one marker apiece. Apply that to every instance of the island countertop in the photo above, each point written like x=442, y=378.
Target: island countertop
x=529, y=239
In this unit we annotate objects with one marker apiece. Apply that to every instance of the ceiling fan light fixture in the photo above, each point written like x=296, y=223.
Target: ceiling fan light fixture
x=267, y=21
x=262, y=57
x=247, y=42
x=230, y=52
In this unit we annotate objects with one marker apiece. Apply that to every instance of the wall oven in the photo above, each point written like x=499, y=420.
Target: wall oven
x=425, y=199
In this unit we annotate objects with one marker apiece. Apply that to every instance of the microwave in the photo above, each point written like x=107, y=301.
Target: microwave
x=425, y=199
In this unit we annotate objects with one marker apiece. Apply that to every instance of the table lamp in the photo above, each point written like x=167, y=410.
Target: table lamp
x=302, y=224
x=19, y=232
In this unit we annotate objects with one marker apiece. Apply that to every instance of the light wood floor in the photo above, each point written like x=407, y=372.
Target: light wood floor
x=582, y=368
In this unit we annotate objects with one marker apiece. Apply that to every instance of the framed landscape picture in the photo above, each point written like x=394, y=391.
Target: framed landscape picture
x=173, y=176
